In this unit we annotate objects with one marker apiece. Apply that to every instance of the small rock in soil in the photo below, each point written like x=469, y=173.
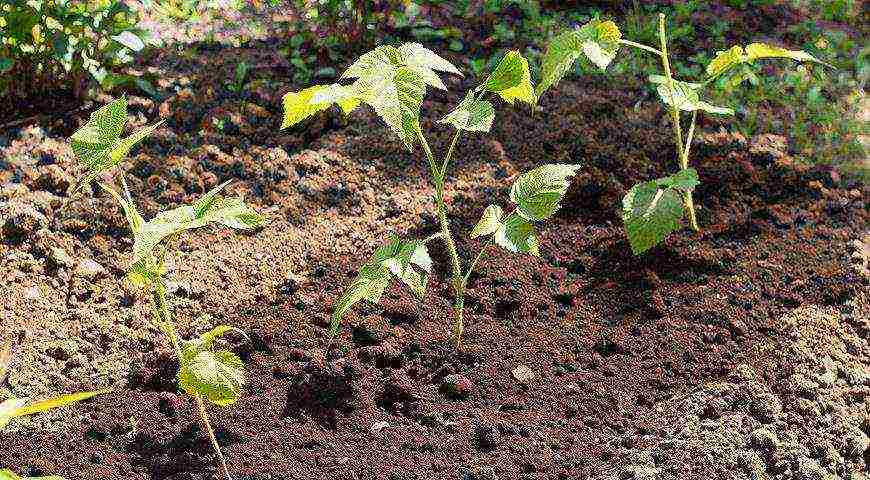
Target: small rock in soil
x=523, y=374
x=487, y=436
x=60, y=258
x=89, y=269
x=457, y=386
x=20, y=220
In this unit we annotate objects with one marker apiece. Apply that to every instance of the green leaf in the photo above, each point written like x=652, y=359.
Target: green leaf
x=396, y=99
x=602, y=42
x=391, y=80
x=652, y=210
x=724, y=61
x=211, y=208
x=538, y=192
x=6, y=64
x=6, y=474
x=98, y=144
x=218, y=376
x=408, y=261
x=489, y=222
x=20, y=407
x=56, y=402
x=300, y=105
x=736, y=55
x=207, y=339
x=685, y=96
x=598, y=40
x=471, y=115
x=517, y=235
x=511, y=79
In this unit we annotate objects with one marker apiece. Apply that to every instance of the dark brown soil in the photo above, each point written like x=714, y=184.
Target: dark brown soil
x=740, y=352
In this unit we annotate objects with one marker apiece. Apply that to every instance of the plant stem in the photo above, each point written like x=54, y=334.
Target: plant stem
x=641, y=46
x=158, y=295
x=161, y=309
x=203, y=414
x=682, y=155
x=456, y=269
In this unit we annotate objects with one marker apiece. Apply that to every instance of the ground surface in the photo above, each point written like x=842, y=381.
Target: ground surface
x=740, y=352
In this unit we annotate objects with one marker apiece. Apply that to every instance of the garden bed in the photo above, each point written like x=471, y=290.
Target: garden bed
x=737, y=352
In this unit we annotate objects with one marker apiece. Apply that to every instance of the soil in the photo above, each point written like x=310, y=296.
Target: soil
x=740, y=352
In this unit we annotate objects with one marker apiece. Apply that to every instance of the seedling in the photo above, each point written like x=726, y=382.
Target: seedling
x=653, y=210
x=205, y=373
x=393, y=82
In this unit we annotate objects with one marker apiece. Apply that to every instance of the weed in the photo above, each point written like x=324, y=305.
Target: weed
x=205, y=373
x=393, y=82
x=652, y=210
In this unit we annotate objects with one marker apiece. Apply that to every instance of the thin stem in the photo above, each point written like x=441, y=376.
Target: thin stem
x=158, y=294
x=447, y=158
x=640, y=46
x=161, y=309
x=433, y=169
x=434, y=236
x=682, y=153
x=475, y=262
x=685, y=160
x=675, y=112
x=448, y=239
x=203, y=414
x=687, y=196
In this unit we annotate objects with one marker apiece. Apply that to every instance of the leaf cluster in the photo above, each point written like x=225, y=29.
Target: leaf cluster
x=44, y=42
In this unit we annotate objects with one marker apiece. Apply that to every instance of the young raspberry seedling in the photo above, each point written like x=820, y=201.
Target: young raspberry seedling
x=205, y=373
x=653, y=210
x=393, y=81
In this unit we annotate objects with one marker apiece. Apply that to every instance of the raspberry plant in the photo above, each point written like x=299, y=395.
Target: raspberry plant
x=205, y=373
x=653, y=210
x=393, y=81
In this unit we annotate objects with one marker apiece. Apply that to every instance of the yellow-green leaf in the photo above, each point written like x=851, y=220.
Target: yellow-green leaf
x=489, y=222
x=511, y=79
x=736, y=55
x=300, y=105
x=52, y=403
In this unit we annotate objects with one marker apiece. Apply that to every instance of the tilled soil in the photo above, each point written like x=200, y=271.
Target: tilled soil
x=739, y=352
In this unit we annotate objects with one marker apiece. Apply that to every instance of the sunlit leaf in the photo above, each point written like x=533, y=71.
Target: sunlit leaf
x=408, y=261
x=538, y=192
x=517, y=235
x=129, y=40
x=211, y=208
x=56, y=402
x=511, y=79
x=300, y=105
x=218, y=376
x=652, y=210
x=6, y=474
x=685, y=96
x=736, y=55
x=471, y=115
x=598, y=40
x=98, y=144
x=489, y=222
